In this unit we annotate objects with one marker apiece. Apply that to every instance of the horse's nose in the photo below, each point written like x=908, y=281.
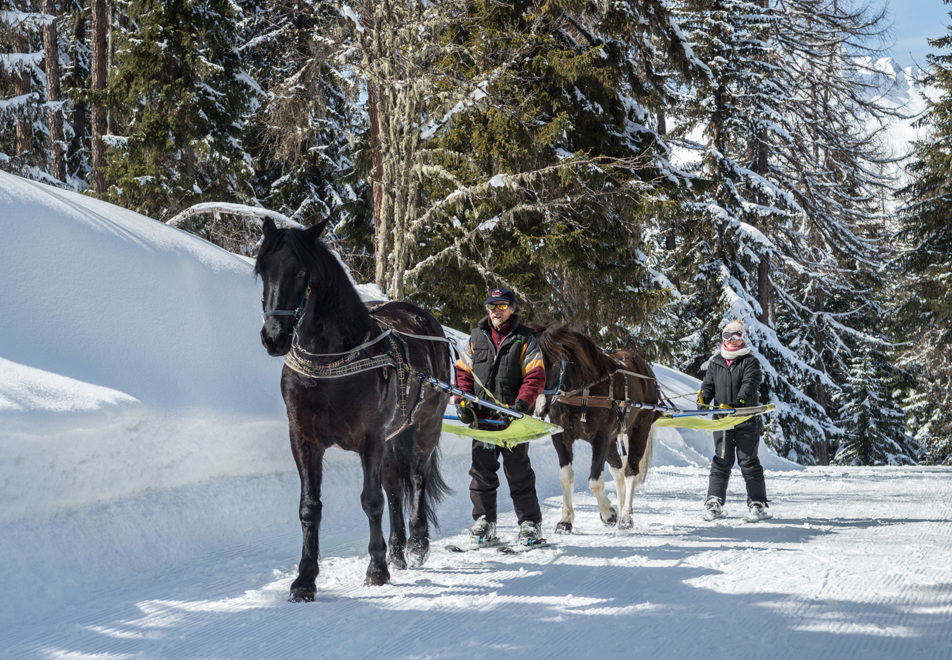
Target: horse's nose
x=270, y=342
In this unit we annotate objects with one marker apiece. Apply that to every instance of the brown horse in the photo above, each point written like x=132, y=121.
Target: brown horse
x=347, y=382
x=587, y=391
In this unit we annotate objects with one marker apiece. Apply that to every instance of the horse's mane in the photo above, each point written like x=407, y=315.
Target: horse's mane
x=559, y=339
x=335, y=293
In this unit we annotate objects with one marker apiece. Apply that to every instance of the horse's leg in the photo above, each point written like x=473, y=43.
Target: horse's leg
x=428, y=488
x=596, y=480
x=567, y=479
x=616, y=466
x=371, y=499
x=398, y=535
x=418, y=548
x=310, y=463
x=636, y=469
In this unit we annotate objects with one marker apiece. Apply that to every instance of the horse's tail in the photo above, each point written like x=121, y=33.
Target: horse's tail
x=436, y=487
x=404, y=453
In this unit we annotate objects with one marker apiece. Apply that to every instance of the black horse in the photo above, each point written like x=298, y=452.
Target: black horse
x=348, y=381
x=587, y=391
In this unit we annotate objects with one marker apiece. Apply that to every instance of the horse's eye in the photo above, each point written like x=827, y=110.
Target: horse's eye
x=302, y=274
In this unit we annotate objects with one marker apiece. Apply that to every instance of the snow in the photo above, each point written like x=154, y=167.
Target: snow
x=150, y=499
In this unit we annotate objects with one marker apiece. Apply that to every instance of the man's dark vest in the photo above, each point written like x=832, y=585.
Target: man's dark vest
x=500, y=371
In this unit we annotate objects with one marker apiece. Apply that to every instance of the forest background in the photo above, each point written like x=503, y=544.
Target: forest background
x=643, y=169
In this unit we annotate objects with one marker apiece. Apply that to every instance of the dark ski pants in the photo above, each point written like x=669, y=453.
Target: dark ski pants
x=743, y=443
x=519, y=474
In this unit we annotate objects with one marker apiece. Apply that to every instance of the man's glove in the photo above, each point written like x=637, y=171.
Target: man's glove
x=465, y=413
x=521, y=406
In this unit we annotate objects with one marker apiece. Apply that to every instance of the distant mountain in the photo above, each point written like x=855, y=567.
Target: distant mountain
x=898, y=89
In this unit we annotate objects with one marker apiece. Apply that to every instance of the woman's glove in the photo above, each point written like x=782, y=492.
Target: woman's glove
x=521, y=406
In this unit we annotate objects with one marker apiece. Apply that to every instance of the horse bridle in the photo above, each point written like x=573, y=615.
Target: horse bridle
x=296, y=313
x=558, y=388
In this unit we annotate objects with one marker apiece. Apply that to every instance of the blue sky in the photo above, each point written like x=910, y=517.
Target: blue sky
x=914, y=21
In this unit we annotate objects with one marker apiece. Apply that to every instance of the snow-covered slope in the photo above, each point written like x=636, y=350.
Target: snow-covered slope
x=111, y=298
x=130, y=357
x=149, y=500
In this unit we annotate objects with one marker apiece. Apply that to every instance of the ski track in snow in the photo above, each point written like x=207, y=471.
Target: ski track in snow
x=853, y=565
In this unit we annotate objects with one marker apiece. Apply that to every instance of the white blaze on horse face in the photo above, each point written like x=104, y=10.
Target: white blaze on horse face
x=567, y=479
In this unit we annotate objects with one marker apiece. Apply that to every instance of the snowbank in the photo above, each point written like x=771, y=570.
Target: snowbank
x=130, y=360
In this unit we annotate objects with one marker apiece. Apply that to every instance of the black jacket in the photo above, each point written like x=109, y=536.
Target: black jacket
x=737, y=386
x=501, y=371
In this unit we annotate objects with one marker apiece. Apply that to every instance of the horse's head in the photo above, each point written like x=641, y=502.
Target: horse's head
x=553, y=356
x=285, y=276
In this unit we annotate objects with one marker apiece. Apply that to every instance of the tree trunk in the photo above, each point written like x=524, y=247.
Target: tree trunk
x=77, y=81
x=54, y=95
x=371, y=51
x=821, y=449
x=376, y=180
x=763, y=289
x=99, y=57
x=22, y=82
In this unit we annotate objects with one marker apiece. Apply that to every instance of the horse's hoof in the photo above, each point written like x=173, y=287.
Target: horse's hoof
x=612, y=519
x=563, y=527
x=417, y=553
x=625, y=524
x=397, y=562
x=377, y=578
x=302, y=593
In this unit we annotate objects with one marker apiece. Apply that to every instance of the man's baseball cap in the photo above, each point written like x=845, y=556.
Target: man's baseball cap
x=501, y=296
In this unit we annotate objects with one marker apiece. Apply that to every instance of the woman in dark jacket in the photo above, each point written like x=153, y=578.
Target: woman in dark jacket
x=733, y=378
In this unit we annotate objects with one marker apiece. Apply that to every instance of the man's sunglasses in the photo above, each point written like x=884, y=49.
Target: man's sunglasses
x=502, y=307
x=732, y=336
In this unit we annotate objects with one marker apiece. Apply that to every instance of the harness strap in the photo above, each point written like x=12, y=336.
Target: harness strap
x=591, y=401
x=347, y=366
x=352, y=351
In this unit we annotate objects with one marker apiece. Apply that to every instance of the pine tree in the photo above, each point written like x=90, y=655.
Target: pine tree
x=75, y=46
x=307, y=113
x=730, y=239
x=874, y=428
x=179, y=99
x=924, y=268
x=57, y=144
x=786, y=235
x=832, y=303
x=21, y=88
x=548, y=181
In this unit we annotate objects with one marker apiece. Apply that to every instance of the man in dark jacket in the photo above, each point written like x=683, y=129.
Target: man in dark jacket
x=501, y=363
x=733, y=379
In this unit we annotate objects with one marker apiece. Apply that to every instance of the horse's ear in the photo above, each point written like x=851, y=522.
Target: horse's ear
x=316, y=231
x=268, y=226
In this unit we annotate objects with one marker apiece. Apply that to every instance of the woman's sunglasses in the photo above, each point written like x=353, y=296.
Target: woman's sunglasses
x=732, y=336
x=500, y=306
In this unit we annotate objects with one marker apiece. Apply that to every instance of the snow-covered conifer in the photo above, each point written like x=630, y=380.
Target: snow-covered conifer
x=785, y=233
x=924, y=269
x=179, y=97
x=873, y=423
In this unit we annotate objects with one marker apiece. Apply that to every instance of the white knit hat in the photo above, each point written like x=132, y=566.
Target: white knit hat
x=734, y=326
